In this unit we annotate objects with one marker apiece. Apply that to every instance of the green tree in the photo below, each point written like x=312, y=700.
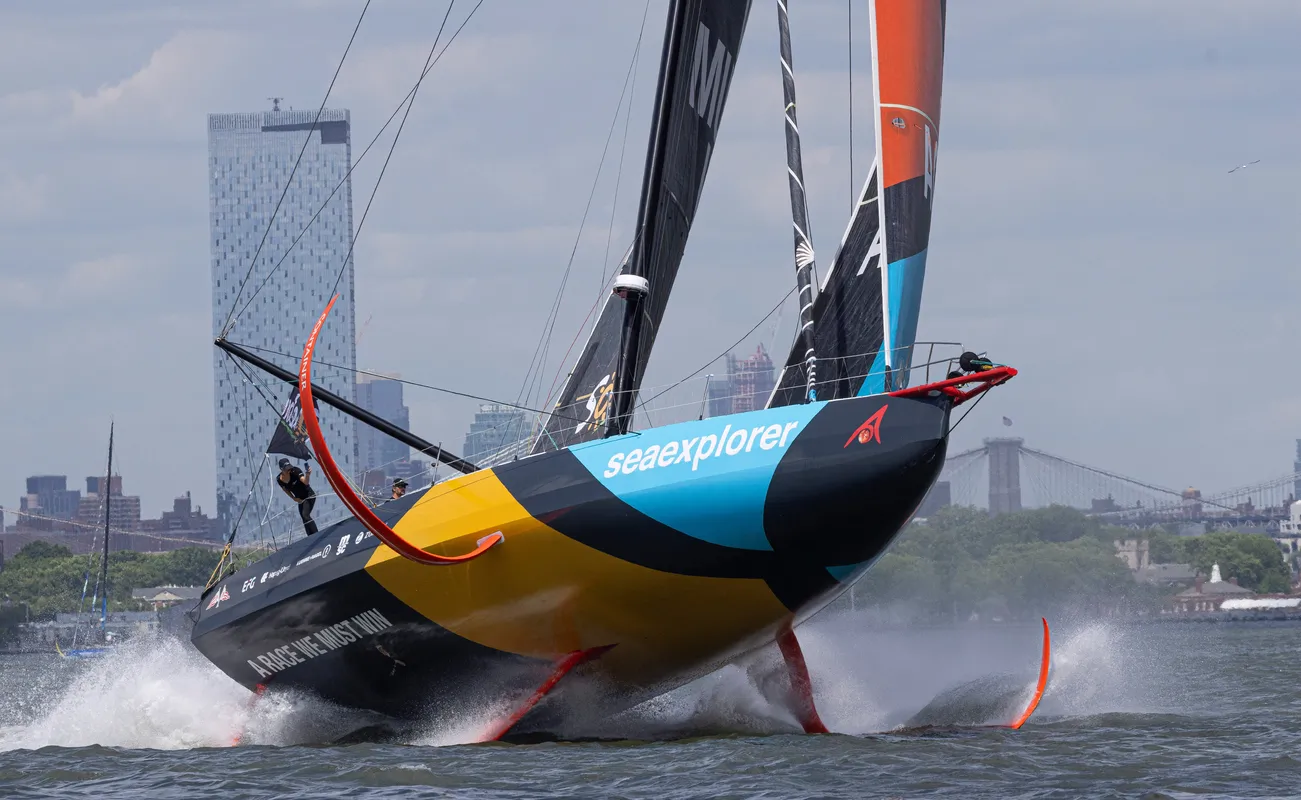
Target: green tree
x=39, y=550
x=1167, y=548
x=51, y=580
x=1252, y=558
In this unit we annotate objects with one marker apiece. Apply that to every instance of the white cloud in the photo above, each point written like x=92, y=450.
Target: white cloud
x=1083, y=213
x=105, y=275
x=23, y=199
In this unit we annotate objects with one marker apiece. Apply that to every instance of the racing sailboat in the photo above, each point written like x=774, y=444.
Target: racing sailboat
x=642, y=559
x=101, y=580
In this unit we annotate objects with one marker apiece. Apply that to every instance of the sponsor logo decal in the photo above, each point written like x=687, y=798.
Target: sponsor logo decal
x=325, y=640
x=692, y=451
x=275, y=573
x=248, y=584
x=217, y=597
x=322, y=553
x=598, y=405
x=869, y=431
x=363, y=535
x=343, y=543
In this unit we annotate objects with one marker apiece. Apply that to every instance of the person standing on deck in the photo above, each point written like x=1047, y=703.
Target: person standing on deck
x=297, y=485
x=399, y=488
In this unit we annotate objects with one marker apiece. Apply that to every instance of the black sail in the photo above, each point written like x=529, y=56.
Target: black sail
x=848, y=321
x=701, y=43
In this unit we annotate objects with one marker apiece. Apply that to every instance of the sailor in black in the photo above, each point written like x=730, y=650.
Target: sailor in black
x=295, y=483
x=399, y=488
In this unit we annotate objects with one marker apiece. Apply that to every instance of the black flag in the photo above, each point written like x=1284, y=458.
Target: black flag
x=290, y=436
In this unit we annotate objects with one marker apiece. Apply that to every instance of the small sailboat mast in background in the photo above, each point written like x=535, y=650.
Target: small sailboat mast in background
x=102, y=581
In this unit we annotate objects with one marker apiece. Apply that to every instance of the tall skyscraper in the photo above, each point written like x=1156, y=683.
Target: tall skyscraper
x=48, y=501
x=377, y=451
x=495, y=426
x=250, y=160
x=747, y=386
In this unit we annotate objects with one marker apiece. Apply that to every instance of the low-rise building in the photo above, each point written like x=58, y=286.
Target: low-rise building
x=1208, y=595
x=164, y=596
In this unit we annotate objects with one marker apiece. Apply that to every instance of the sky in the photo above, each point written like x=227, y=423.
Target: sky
x=1086, y=229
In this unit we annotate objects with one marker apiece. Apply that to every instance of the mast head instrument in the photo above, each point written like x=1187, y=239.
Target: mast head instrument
x=626, y=285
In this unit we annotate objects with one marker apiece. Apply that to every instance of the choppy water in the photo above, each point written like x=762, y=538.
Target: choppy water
x=1164, y=710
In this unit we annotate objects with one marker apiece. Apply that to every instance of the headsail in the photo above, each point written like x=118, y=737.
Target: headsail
x=865, y=316
x=700, y=48
x=804, y=257
x=848, y=315
x=908, y=66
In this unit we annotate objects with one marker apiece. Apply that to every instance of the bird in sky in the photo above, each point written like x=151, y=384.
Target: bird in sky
x=1244, y=166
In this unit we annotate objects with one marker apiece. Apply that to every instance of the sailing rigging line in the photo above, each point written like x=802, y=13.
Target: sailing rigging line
x=355, y=164
x=255, y=472
x=623, y=149
x=537, y=364
x=352, y=244
x=416, y=384
x=730, y=348
x=225, y=328
x=849, y=27
x=94, y=551
x=90, y=559
x=257, y=386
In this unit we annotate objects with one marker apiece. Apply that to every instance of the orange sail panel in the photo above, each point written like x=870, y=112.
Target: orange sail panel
x=909, y=36
x=908, y=71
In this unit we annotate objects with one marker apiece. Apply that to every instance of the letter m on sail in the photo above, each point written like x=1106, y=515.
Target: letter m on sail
x=710, y=71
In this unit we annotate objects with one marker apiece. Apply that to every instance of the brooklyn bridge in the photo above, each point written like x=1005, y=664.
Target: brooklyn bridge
x=1004, y=475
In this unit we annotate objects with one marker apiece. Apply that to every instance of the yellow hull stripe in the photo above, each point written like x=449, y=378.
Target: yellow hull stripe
x=541, y=594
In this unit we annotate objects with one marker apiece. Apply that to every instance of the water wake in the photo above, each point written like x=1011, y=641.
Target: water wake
x=160, y=693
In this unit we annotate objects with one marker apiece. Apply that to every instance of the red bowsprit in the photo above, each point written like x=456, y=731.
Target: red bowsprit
x=562, y=668
x=953, y=387
x=344, y=489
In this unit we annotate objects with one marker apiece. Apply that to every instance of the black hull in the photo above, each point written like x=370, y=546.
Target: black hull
x=588, y=560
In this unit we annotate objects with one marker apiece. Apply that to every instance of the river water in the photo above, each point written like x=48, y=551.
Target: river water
x=1152, y=710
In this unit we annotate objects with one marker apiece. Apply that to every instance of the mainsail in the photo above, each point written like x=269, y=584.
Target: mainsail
x=701, y=42
x=865, y=316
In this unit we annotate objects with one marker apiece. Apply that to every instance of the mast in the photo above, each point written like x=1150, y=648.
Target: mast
x=804, y=257
x=108, y=499
x=633, y=285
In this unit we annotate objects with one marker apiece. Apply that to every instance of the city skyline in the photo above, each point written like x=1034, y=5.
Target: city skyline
x=381, y=396
x=1061, y=232
x=270, y=174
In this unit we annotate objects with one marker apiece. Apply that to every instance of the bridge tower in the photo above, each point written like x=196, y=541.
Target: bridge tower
x=1296, y=467
x=1004, y=474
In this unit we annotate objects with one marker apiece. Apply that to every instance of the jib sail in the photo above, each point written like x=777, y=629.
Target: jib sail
x=865, y=316
x=701, y=42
